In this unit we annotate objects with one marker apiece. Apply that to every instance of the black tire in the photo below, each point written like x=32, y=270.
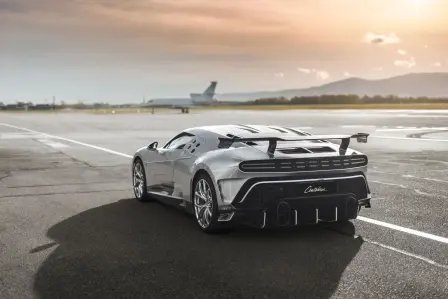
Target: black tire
x=143, y=195
x=213, y=226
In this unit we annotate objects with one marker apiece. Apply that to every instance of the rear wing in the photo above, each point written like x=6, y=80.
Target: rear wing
x=360, y=137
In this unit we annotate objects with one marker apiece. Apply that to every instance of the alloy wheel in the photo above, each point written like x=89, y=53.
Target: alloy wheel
x=203, y=203
x=139, y=181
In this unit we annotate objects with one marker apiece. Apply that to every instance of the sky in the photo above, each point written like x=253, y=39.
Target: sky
x=123, y=51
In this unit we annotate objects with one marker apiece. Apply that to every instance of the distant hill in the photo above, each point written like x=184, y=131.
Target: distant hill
x=409, y=85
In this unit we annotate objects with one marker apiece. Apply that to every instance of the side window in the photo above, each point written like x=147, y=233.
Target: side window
x=179, y=141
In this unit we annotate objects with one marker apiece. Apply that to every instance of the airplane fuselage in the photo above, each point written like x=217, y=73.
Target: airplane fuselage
x=170, y=101
x=195, y=99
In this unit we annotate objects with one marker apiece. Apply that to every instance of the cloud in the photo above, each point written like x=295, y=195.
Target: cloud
x=347, y=74
x=381, y=39
x=401, y=52
x=323, y=75
x=436, y=64
x=405, y=63
x=303, y=70
x=378, y=68
x=320, y=74
x=135, y=15
x=279, y=75
x=171, y=31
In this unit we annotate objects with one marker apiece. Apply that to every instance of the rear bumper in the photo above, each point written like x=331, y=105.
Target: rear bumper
x=283, y=203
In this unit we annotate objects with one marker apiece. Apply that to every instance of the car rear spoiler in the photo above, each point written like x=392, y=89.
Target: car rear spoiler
x=360, y=137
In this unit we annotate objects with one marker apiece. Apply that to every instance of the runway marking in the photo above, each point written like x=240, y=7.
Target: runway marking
x=427, y=179
x=419, y=116
x=358, y=126
x=383, y=172
x=423, y=193
x=410, y=129
x=9, y=136
x=409, y=138
x=428, y=160
x=72, y=141
x=53, y=144
x=365, y=219
x=404, y=229
x=389, y=184
x=419, y=257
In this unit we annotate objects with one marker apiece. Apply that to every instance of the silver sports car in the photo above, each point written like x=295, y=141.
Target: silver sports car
x=263, y=176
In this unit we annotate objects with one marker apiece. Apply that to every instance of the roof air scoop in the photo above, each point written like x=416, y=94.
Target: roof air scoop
x=293, y=150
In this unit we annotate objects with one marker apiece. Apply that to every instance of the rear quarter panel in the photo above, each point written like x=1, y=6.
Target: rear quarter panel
x=185, y=168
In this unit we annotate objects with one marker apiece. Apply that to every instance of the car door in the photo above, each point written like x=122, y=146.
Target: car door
x=153, y=162
x=170, y=153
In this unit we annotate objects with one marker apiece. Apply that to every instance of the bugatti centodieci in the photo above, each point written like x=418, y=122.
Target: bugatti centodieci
x=262, y=176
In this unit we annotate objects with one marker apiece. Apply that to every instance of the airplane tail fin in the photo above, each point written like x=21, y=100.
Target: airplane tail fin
x=207, y=96
x=210, y=91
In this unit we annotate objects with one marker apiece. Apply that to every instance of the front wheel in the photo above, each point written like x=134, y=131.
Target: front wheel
x=139, y=181
x=205, y=205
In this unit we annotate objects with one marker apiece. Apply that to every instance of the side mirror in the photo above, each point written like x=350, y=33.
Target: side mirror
x=153, y=145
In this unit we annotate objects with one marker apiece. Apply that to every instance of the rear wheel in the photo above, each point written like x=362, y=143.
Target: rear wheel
x=139, y=181
x=205, y=205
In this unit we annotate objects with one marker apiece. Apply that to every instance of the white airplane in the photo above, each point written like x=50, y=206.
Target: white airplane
x=195, y=99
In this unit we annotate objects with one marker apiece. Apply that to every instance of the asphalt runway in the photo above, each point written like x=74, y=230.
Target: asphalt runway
x=71, y=228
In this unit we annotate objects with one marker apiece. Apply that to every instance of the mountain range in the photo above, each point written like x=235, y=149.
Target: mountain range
x=410, y=85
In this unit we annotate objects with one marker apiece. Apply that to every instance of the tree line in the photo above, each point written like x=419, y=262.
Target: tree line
x=297, y=100
x=348, y=99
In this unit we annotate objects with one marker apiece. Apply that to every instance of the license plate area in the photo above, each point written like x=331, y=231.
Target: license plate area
x=316, y=188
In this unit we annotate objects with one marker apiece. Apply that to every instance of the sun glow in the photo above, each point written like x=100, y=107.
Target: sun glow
x=421, y=8
x=419, y=3
x=417, y=6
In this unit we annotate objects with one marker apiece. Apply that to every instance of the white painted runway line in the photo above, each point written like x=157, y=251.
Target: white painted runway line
x=389, y=184
x=410, y=129
x=405, y=229
x=12, y=136
x=426, y=179
x=365, y=219
x=34, y=136
x=51, y=143
x=357, y=126
x=389, y=129
x=409, y=138
x=70, y=140
x=416, y=256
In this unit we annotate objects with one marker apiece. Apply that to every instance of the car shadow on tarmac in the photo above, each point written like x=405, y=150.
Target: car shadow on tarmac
x=131, y=250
